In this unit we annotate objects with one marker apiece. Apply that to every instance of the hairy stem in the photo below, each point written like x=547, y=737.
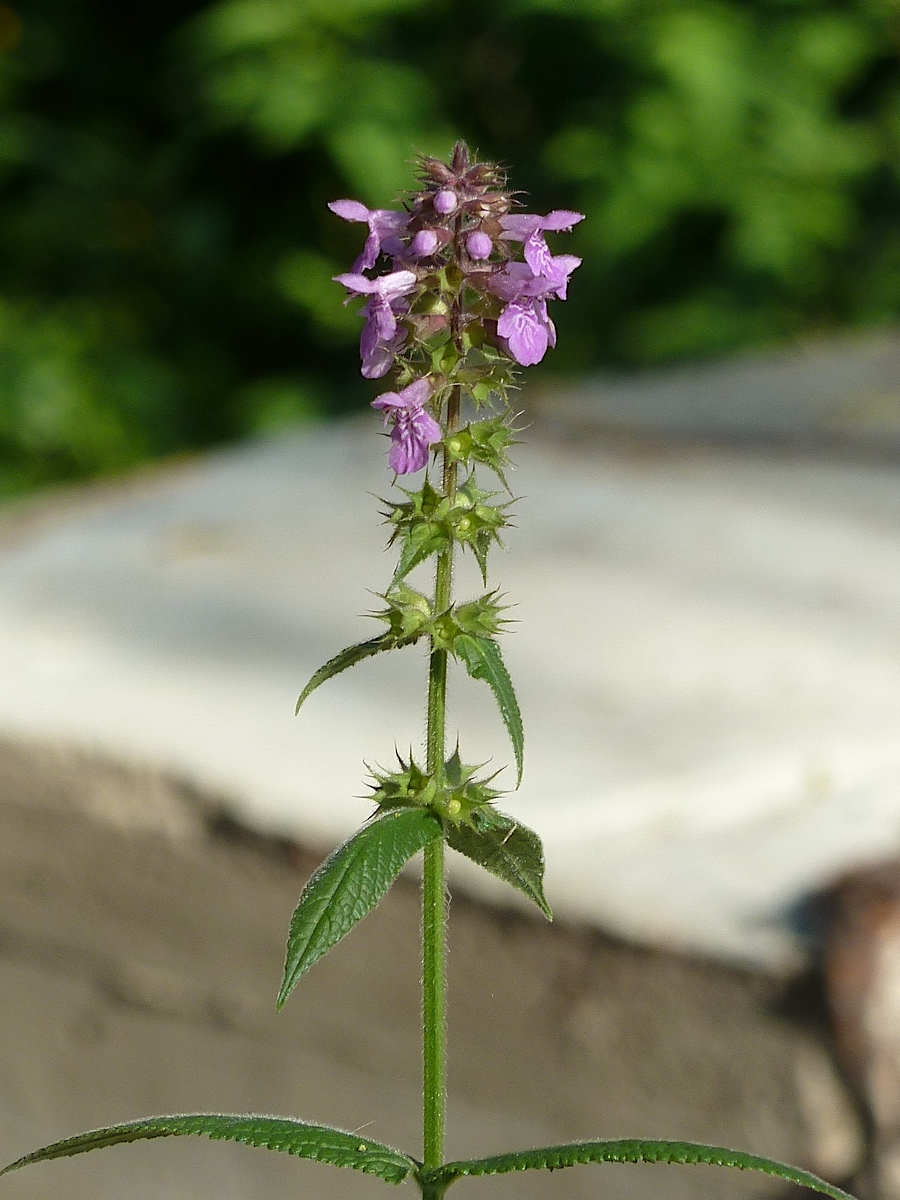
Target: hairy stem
x=434, y=891
x=433, y=1191
x=434, y=1002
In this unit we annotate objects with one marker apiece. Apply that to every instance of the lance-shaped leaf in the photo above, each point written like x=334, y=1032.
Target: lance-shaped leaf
x=350, y=883
x=552, y=1158
x=483, y=660
x=347, y=658
x=318, y=1142
x=511, y=851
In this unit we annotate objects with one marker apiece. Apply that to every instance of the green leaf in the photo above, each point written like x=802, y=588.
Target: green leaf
x=318, y=1142
x=347, y=658
x=350, y=883
x=483, y=660
x=511, y=851
x=552, y=1158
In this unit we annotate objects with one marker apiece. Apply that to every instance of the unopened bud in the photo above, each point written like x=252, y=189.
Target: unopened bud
x=445, y=202
x=479, y=245
x=424, y=243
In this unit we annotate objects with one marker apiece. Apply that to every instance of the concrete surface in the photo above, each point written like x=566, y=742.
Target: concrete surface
x=707, y=662
x=838, y=393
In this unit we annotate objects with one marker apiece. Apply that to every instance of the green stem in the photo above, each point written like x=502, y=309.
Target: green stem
x=433, y=1191
x=434, y=1002
x=434, y=890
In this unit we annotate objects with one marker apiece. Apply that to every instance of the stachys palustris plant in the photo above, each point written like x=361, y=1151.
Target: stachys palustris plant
x=456, y=288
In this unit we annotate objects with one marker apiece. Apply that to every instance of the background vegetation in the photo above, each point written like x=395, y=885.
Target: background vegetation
x=165, y=251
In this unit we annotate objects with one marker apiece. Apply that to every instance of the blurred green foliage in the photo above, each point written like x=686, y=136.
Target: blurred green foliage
x=166, y=253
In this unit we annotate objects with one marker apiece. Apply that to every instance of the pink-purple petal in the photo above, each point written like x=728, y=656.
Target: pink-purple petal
x=396, y=284
x=383, y=317
x=359, y=284
x=561, y=267
x=349, y=210
x=377, y=355
x=388, y=220
x=510, y=283
x=418, y=392
x=526, y=334
x=518, y=226
x=407, y=454
x=427, y=427
x=377, y=363
x=540, y=308
x=561, y=220
x=386, y=403
x=537, y=253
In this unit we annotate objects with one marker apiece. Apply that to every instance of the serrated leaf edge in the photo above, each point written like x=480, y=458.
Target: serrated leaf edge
x=536, y=896
x=353, y=655
x=627, y=1151
x=512, y=720
x=374, y=1158
x=297, y=964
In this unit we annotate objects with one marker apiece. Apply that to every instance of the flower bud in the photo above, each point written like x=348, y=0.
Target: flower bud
x=445, y=202
x=424, y=243
x=479, y=245
x=459, y=445
x=408, y=613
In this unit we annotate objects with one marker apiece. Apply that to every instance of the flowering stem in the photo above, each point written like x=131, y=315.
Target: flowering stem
x=449, y=264
x=434, y=891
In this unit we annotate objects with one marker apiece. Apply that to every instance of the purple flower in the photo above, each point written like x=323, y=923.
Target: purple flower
x=383, y=294
x=414, y=431
x=529, y=228
x=380, y=336
x=524, y=322
x=528, y=330
x=385, y=226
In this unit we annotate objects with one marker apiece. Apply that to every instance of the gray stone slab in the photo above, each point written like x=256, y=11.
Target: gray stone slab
x=841, y=392
x=141, y=945
x=707, y=662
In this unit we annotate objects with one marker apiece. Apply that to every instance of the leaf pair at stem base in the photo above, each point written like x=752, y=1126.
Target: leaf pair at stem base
x=338, y=1148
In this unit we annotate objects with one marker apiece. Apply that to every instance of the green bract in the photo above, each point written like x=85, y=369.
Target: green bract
x=408, y=613
x=429, y=522
x=455, y=797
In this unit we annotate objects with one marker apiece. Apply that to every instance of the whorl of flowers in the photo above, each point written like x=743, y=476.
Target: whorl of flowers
x=450, y=303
